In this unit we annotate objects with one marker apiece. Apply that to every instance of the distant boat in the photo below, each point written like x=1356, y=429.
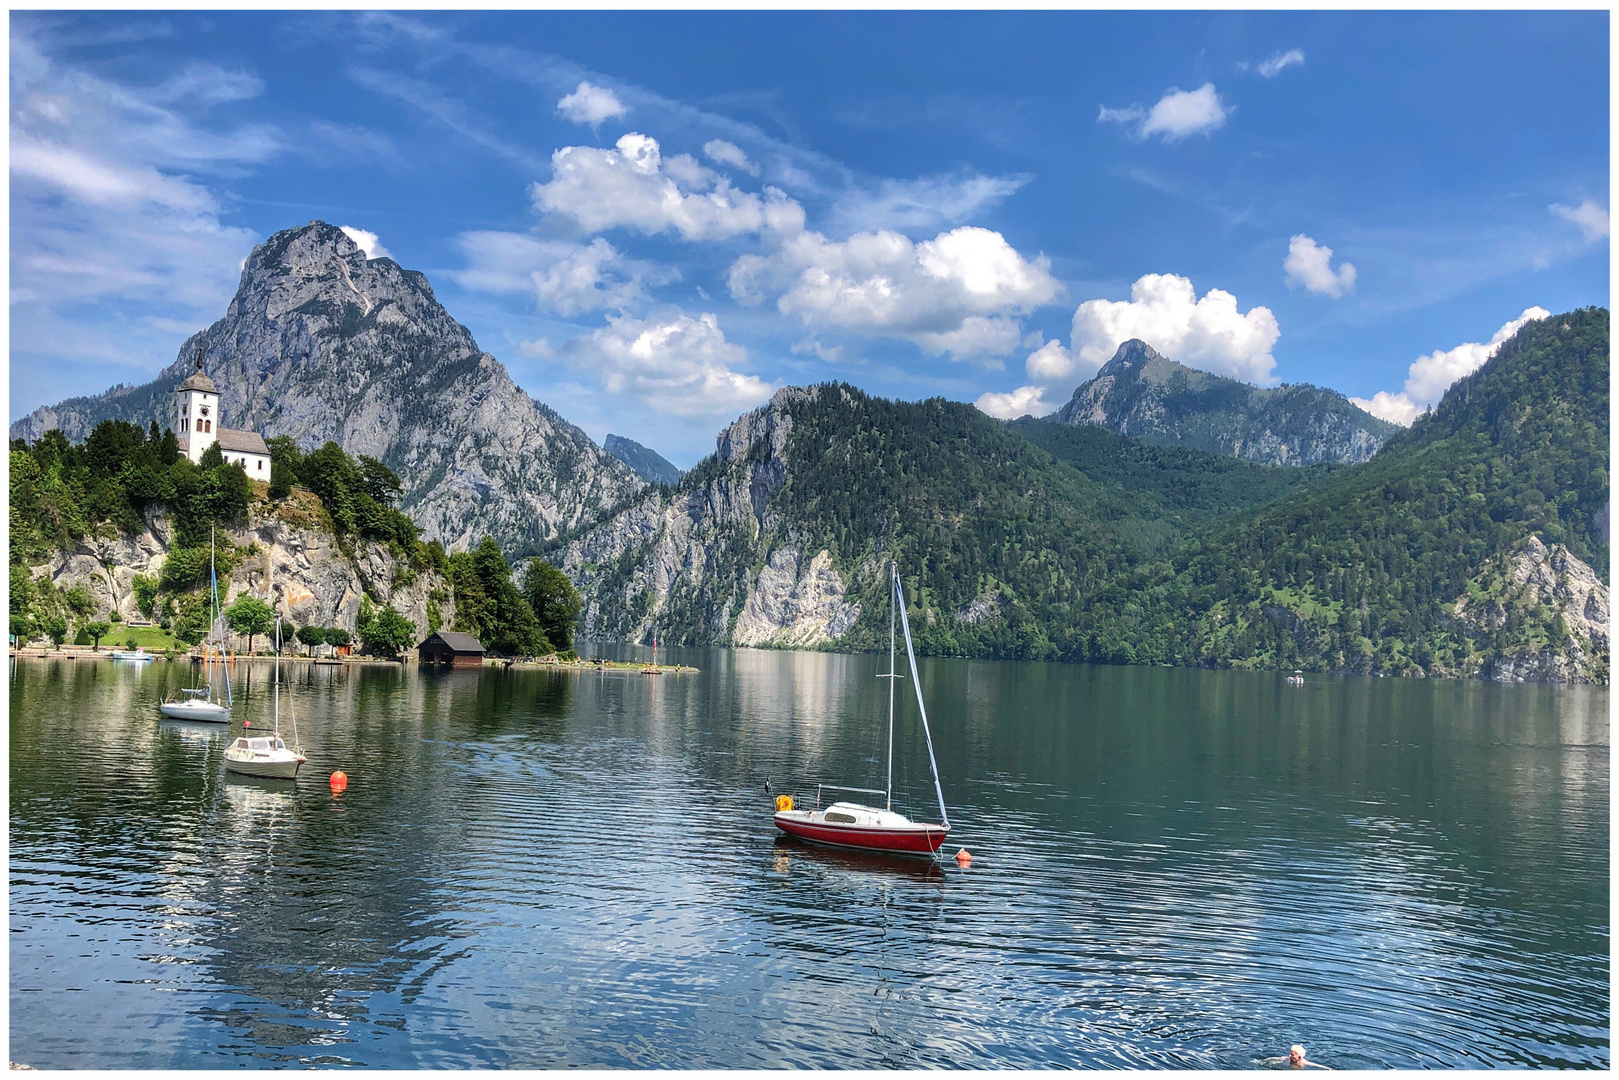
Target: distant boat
x=268, y=756
x=870, y=828
x=126, y=654
x=197, y=702
x=1296, y=679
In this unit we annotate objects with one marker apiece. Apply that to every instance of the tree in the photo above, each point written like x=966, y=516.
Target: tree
x=555, y=602
x=78, y=600
x=250, y=616
x=381, y=482
x=55, y=628
x=310, y=636
x=337, y=637
x=387, y=632
x=97, y=631
x=22, y=628
x=489, y=605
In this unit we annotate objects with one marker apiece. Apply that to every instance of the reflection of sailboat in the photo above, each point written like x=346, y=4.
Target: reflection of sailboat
x=197, y=703
x=855, y=825
x=267, y=755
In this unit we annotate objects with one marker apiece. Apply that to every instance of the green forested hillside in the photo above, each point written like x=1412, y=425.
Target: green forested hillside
x=1362, y=572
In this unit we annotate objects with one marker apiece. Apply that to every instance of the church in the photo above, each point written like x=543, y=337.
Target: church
x=197, y=428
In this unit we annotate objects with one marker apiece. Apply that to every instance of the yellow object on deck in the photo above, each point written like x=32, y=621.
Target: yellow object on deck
x=784, y=802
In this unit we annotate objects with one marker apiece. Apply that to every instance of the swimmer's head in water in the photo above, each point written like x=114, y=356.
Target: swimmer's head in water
x=1295, y=1054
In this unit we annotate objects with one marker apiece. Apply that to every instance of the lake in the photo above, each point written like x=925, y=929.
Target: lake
x=534, y=868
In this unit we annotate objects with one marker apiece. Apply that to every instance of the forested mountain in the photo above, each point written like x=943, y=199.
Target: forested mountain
x=1474, y=543
x=649, y=465
x=1148, y=397
x=321, y=343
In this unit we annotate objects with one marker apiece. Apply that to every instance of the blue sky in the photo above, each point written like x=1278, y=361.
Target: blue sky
x=655, y=219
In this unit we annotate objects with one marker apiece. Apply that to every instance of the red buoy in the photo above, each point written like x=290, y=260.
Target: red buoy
x=963, y=859
x=339, y=782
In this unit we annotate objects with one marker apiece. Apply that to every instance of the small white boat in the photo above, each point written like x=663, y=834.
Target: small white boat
x=263, y=755
x=125, y=654
x=195, y=707
x=266, y=755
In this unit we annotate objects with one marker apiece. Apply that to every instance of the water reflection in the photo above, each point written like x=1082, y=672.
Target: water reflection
x=577, y=868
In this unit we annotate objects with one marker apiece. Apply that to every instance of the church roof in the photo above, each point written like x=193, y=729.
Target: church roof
x=242, y=442
x=197, y=381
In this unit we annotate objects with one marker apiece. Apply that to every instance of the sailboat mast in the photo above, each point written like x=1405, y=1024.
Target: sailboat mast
x=910, y=653
x=893, y=576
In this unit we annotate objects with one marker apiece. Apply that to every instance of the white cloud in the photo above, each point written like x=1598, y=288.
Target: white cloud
x=1431, y=375
x=117, y=250
x=729, y=153
x=1590, y=216
x=1309, y=264
x=1278, y=62
x=957, y=293
x=367, y=242
x=565, y=278
x=1164, y=311
x=928, y=202
x=675, y=364
x=1050, y=363
x=591, y=104
x=1177, y=115
x=633, y=186
x=1024, y=401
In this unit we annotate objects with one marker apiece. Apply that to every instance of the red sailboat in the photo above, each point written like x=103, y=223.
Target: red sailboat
x=871, y=828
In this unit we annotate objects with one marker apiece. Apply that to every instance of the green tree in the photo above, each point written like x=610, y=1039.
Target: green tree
x=97, y=631
x=387, y=632
x=22, y=628
x=488, y=604
x=55, y=628
x=337, y=637
x=250, y=616
x=145, y=590
x=555, y=601
x=78, y=601
x=310, y=636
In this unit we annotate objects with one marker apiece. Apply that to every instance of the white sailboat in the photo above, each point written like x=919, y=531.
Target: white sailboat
x=268, y=755
x=870, y=828
x=198, y=703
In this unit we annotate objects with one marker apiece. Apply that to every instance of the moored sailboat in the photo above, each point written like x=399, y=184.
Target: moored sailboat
x=268, y=756
x=198, y=702
x=870, y=828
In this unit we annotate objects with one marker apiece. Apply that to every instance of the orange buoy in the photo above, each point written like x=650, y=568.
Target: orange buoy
x=963, y=859
x=339, y=782
x=784, y=802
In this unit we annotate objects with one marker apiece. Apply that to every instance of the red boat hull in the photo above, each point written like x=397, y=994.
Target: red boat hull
x=914, y=840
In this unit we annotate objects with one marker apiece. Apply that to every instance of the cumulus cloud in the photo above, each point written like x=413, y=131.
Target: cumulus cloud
x=1024, y=401
x=633, y=186
x=1590, y=216
x=675, y=364
x=564, y=278
x=1309, y=264
x=1278, y=62
x=729, y=153
x=1177, y=115
x=1050, y=363
x=958, y=293
x=367, y=242
x=1165, y=311
x=591, y=104
x=1431, y=375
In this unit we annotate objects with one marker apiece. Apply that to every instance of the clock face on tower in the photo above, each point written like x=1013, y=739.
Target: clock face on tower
x=203, y=410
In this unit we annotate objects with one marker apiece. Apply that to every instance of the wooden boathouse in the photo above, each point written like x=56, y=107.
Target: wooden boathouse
x=448, y=648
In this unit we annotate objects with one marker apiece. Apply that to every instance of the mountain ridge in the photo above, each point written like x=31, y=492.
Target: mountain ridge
x=1145, y=395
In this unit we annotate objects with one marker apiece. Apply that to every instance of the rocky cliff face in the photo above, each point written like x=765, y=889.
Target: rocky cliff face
x=649, y=465
x=321, y=343
x=1146, y=396
x=293, y=563
x=1542, y=616
x=709, y=563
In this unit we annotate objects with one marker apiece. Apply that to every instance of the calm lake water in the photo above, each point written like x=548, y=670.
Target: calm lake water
x=531, y=868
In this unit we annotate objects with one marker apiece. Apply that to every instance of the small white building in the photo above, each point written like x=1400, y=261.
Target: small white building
x=197, y=426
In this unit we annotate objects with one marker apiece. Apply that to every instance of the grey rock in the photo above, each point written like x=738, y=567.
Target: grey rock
x=1541, y=582
x=321, y=343
x=1149, y=397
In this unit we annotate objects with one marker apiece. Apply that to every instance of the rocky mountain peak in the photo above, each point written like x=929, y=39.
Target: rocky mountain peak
x=1134, y=354
x=321, y=343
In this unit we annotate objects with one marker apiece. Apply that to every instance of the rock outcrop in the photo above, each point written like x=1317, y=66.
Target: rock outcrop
x=292, y=562
x=1146, y=396
x=322, y=343
x=709, y=563
x=1549, y=610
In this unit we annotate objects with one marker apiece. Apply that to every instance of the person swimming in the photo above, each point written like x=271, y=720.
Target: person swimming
x=1295, y=1059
